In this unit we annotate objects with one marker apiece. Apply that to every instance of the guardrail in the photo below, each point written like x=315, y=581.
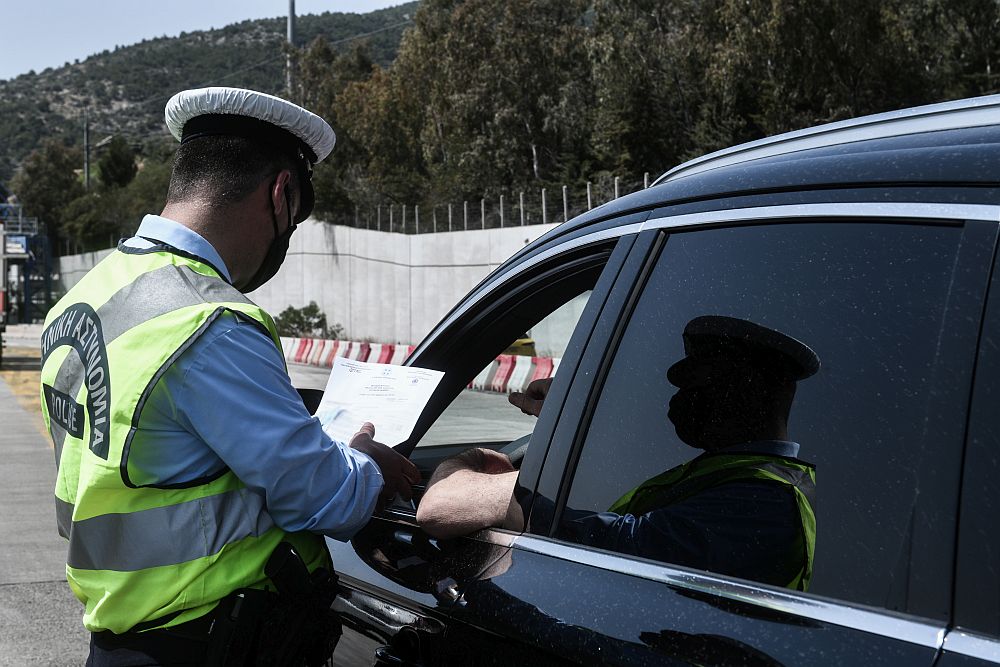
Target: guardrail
x=505, y=374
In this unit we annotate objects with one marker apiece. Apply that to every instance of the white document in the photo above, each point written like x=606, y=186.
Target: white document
x=390, y=397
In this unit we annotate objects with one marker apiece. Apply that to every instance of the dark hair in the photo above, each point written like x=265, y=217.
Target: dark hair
x=224, y=170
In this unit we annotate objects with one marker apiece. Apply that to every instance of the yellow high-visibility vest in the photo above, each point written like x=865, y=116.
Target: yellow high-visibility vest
x=713, y=470
x=140, y=555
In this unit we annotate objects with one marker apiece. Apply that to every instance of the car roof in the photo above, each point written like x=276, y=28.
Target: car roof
x=959, y=114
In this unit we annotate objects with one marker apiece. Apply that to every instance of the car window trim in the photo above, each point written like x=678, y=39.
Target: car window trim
x=914, y=630
x=905, y=211
x=972, y=644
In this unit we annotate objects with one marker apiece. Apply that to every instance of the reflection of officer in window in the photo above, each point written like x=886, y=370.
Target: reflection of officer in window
x=742, y=508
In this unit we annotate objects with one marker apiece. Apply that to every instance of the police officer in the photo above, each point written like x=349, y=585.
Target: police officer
x=185, y=456
x=744, y=507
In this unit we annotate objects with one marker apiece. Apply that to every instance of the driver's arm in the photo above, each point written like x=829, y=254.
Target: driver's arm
x=466, y=493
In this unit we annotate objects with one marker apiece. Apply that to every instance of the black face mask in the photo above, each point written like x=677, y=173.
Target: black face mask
x=275, y=253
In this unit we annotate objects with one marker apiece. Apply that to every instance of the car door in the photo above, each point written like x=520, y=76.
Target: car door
x=399, y=587
x=890, y=298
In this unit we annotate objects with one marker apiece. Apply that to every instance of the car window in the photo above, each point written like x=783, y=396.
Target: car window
x=878, y=427
x=481, y=413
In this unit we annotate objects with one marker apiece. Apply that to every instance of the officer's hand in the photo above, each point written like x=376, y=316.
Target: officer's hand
x=531, y=400
x=398, y=472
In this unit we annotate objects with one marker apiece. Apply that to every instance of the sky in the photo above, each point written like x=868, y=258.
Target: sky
x=35, y=34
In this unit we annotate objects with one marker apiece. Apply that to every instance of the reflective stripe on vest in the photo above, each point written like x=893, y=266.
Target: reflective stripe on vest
x=121, y=541
x=140, y=553
x=709, y=471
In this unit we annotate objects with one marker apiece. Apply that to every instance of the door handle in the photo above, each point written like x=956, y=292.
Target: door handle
x=384, y=657
x=404, y=650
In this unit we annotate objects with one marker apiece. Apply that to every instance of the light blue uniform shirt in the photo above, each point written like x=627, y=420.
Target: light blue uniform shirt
x=228, y=402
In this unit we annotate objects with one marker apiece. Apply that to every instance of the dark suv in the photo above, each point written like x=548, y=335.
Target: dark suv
x=873, y=241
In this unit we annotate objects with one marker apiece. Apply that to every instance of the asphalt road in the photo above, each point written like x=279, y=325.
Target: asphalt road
x=39, y=617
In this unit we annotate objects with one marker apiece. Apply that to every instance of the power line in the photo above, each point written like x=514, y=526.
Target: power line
x=164, y=98
x=373, y=32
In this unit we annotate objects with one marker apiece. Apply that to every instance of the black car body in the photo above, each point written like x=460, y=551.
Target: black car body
x=874, y=241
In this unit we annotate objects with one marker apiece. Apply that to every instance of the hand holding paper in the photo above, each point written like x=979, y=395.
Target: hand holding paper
x=391, y=397
x=398, y=472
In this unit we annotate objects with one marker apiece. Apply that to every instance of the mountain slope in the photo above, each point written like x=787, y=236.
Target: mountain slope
x=123, y=91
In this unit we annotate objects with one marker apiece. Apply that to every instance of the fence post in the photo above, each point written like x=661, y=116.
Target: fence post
x=565, y=205
x=416, y=217
x=589, y=204
x=356, y=215
x=645, y=180
x=465, y=215
x=520, y=197
x=482, y=211
x=403, y=225
x=390, y=218
x=449, y=216
x=378, y=210
x=616, y=187
x=434, y=218
x=501, y=211
x=545, y=216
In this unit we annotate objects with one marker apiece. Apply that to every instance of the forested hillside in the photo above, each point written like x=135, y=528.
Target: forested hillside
x=124, y=89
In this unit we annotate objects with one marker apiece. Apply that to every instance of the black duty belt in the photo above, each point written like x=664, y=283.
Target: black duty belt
x=195, y=630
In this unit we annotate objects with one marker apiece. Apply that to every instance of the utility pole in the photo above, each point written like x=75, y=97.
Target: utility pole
x=86, y=150
x=291, y=45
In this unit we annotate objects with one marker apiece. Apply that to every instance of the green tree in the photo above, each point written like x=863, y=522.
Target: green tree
x=323, y=75
x=647, y=69
x=306, y=322
x=503, y=88
x=47, y=181
x=117, y=165
x=147, y=192
x=384, y=118
x=97, y=219
x=91, y=220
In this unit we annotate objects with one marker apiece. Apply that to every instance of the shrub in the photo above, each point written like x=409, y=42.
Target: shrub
x=306, y=322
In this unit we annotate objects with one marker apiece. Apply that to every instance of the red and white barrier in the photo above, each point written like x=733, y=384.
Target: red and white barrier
x=507, y=373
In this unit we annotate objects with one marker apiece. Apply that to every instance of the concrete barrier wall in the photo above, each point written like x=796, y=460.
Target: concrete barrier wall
x=390, y=288
x=72, y=268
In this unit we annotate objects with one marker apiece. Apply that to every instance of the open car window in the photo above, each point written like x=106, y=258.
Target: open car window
x=519, y=331
x=482, y=415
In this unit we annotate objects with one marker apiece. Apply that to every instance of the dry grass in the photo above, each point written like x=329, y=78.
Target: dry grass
x=20, y=371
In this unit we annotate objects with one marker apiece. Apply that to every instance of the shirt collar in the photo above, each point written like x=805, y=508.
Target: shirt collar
x=175, y=234
x=784, y=448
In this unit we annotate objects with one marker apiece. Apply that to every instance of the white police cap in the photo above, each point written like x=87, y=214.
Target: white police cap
x=227, y=106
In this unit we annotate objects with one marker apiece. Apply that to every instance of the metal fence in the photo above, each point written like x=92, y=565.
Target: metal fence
x=544, y=205
x=14, y=221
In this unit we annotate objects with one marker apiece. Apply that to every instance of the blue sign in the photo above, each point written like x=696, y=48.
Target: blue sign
x=15, y=244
